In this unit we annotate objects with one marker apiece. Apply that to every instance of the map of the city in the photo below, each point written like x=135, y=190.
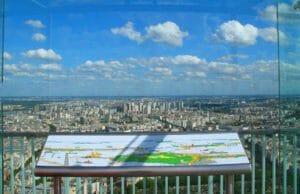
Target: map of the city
x=143, y=150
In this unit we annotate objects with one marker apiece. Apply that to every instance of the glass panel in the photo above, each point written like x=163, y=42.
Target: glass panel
x=193, y=66
x=289, y=20
x=149, y=66
x=289, y=47
x=3, y=55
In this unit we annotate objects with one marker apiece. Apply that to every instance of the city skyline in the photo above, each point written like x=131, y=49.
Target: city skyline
x=113, y=53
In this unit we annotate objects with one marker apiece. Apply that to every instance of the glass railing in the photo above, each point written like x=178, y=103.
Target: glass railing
x=239, y=58
x=274, y=158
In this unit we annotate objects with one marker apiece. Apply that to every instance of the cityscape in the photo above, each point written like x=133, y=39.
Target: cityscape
x=134, y=115
x=143, y=114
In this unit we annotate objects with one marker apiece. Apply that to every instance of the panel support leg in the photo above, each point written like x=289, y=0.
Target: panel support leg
x=229, y=188
x=57, y=185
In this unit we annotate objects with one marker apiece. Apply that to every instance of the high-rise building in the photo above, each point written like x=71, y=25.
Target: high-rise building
x=36, y=108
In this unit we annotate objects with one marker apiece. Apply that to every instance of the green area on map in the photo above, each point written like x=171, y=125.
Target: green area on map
x=173, y=158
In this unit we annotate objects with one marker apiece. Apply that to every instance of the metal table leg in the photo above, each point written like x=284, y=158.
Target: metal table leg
x=57, y=185
x=229, y=189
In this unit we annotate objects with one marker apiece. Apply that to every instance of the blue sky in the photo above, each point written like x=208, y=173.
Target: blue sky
x=70, y=47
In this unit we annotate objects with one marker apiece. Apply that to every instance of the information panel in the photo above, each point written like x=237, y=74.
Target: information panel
x=142, y=150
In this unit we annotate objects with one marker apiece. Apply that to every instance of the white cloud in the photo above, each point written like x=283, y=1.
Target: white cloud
x=35, y=23
x=261, y=70
x=283, y=38
x=286, y=13
x=265, y=66
x=42, y=54
x=188, y=60
x=23, y=74
x=290, y=68
x=27, y=67
x=162, y=71
x=268, y=34
x=246, y=77
x=49, y=76
x=117, y=76
x=167, y=32
x=90, y=78
x=7, y=56
x=225, y=68
x=235, y=33
x=39, y=37
x=197, y=74
x=236, y=77
x=44, y=71
x=11, y=68
x=51, y=67
x=229, y=58
x=226, y=77
x=129, y=32
x=184, y=60
x=269, y=13
x=234, y=72
x=101, y=66
x=153, y=80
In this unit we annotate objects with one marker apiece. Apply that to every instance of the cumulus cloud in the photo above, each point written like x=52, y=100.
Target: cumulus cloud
x=7, y=56
x=162, y=71
x=268, y=34
x=39, y=37
x=51, y=67
x=196, y=74
x=228, y=71
x=263, y=69
x=167, y=32
x=246, y=77
x=269, y=13
x=44, y=71
x=225, y=68
x=34, y=23
x=102, y=66
x=27, y=67
x=229, y=58
x=50, y=76
x=287, y=13
x=117, y=76
x=186, y=68
x=183, y=60
x=129, y=32
x=188, y=60
x=235, y=33
x=11, y=68
x=42, y=54
x=290, y=67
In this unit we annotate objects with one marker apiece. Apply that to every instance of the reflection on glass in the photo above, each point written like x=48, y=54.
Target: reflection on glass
x=150, y=66
x=289, y=40
x=108, y=66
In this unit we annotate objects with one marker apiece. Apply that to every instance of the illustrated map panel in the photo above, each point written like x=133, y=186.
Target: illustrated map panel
x=143, y=150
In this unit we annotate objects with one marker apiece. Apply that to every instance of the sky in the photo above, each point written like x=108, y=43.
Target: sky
x=87, y=48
